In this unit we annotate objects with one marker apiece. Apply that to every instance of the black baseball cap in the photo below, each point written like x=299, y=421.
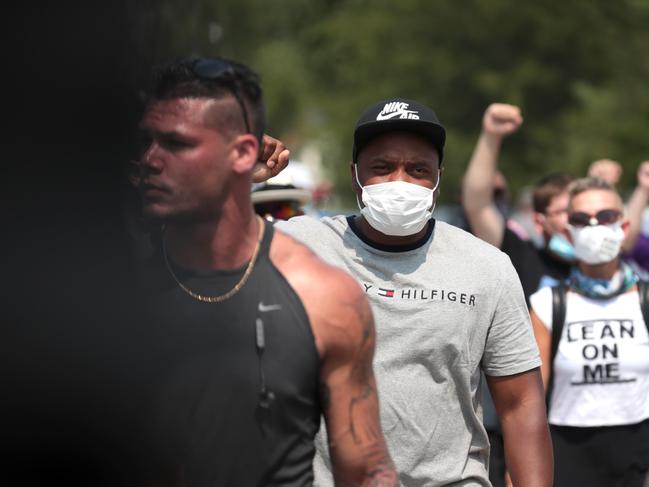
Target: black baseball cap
x=399, y=115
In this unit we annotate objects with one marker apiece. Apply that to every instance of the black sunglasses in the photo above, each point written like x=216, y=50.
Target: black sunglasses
x=602, y=217
x=218, y=70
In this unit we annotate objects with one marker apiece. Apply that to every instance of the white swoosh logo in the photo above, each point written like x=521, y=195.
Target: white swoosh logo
x=263, y=308
x=380, y=116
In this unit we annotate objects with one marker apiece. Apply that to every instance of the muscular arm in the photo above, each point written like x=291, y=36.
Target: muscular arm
x=477, y=186
x=343, y=326
x=357, y=448
x=520, y=404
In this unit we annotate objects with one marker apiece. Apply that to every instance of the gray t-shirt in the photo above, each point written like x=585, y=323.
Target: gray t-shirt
x=443, y=311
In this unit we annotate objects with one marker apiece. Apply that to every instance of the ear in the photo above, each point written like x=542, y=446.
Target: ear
x=626, y=224
x=539, y=219
x=244, y=152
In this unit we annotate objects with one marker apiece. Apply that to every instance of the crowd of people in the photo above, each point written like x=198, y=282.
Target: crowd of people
x=261, y=344
x=589, y=253
x=553, y=263
x=398, y=331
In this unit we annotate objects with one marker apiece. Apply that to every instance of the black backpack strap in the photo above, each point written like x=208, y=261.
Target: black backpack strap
x=643, y=294
x=558, y=319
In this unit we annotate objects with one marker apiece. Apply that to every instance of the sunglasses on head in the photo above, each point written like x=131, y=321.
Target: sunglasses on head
x=219, y=70
x=602, y=217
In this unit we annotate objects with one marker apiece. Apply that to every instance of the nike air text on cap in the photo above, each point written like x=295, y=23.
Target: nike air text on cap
x=399, y=115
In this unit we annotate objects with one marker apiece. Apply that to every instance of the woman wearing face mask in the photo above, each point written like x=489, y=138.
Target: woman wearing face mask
x=597, y=371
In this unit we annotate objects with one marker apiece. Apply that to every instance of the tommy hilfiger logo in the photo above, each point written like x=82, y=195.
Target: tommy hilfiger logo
x=397, y=109
x=386, y=293
x=412, y=294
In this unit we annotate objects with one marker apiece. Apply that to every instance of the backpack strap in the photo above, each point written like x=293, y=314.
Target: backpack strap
x=558, y=319
x=643, y=295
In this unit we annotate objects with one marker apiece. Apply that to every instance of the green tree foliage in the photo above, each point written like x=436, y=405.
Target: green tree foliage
x=578, y=69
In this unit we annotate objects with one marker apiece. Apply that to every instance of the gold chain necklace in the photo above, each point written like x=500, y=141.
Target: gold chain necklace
x=237, y=287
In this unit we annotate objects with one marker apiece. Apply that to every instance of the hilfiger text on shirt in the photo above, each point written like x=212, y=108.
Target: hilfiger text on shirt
x=417, y=294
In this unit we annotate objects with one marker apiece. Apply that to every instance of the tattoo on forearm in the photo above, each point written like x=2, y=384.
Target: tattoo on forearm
x=358, y=426
x=363, y=415
x=362, y=370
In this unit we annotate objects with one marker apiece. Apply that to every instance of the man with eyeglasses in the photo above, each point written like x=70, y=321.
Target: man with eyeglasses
x=254, y=350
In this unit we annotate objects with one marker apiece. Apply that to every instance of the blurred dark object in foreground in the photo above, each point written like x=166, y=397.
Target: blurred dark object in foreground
x=74, y=359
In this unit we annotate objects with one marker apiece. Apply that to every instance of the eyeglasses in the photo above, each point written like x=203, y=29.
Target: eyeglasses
x=219, y=70
x=602, y=217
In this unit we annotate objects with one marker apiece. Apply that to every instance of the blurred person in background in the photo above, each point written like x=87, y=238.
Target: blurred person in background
x=535, y=267
x=636, y=245
x=502, y=201
x=611, y=172
x=606, y=169
x=523, y=215
x=285, y=195
x=593, y=338
x=487, y=221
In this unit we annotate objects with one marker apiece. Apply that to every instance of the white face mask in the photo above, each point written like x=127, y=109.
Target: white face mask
x=397, y=208
x=597, y=244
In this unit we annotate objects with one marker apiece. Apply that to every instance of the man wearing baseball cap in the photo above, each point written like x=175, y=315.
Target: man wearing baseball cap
x=447, y=306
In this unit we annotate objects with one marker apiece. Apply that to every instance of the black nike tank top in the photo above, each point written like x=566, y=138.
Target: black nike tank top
x=236, y=392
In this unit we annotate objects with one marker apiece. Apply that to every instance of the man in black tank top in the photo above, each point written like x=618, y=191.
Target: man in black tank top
x=250, y=349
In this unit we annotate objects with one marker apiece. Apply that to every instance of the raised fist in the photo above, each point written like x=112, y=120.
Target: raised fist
x=501, y=119
x=606, y=169
x=273, y=158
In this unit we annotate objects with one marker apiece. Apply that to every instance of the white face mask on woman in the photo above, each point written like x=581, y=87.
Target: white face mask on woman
x=397, y=208
x=597, y=244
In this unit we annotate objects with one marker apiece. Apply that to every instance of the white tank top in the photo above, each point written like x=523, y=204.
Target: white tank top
x=601, y=370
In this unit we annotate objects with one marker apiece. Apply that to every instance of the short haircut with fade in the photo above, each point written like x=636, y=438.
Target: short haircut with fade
x=549, y=187
x=178, y=79
x=592, y=183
